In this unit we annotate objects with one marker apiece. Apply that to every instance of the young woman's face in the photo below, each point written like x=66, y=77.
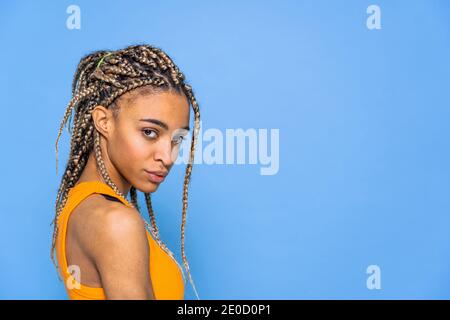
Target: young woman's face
x=146, y=137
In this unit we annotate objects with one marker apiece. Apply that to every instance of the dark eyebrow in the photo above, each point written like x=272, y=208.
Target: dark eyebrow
x=161, y=124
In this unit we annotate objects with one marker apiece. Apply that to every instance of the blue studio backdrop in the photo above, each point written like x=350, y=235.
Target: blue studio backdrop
x=340, y=189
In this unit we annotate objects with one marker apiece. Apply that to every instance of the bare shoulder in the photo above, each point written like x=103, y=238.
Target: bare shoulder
x=114, y=237
x=100, y=223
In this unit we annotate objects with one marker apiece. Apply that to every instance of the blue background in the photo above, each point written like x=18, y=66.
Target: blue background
x=364, y=154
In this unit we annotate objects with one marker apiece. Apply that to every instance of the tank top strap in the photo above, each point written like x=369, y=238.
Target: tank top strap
x=84, y=189
x=75, y=196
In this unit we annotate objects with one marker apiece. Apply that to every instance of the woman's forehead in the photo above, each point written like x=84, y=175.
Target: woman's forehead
x=166, y=105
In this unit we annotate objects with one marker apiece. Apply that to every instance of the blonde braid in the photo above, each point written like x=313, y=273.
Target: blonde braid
x=133, y=196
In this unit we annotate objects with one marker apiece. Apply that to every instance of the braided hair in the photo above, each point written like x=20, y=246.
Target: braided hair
x=100, y=78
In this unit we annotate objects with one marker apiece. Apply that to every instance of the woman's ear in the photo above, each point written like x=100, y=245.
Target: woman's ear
x=102, y=118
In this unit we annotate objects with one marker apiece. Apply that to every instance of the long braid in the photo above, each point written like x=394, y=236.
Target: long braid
x=80, y=142
x=151, y=215
x=100, y=79
x=188, y=176
x=133, y=196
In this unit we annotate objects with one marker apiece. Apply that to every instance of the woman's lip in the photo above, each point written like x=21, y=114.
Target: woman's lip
x=154, y=177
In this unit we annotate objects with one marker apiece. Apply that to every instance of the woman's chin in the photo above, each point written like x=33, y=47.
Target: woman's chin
x=148, y=187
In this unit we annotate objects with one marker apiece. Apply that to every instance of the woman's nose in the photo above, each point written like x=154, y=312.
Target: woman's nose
x=164, y=152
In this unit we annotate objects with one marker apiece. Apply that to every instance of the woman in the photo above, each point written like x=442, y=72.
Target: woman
x=131, y=113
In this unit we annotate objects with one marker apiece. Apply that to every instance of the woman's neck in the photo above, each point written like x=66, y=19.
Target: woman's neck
x=90, y=173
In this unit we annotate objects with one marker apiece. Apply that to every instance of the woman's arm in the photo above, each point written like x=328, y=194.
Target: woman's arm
x=121, y=255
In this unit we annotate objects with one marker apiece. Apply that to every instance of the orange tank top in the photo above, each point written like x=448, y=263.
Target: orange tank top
x=165, y=272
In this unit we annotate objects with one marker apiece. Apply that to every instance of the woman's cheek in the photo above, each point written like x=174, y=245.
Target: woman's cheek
x=129, y=150
x=137, y=149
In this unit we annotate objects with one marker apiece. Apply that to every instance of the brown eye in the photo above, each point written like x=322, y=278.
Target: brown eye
x=149, y=133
